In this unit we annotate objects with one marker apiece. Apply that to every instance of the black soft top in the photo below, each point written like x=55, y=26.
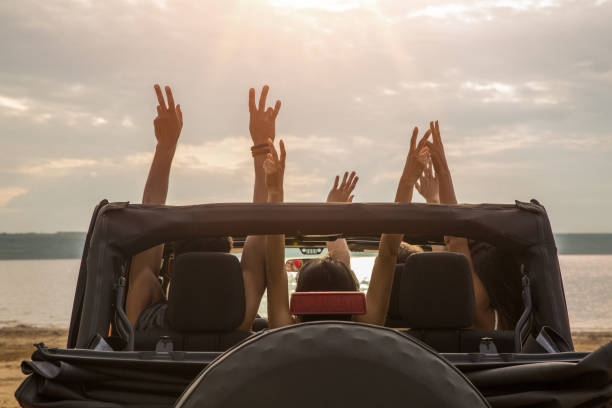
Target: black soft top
x=120, y=230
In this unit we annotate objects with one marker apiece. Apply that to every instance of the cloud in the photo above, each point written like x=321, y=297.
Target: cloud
x=12, y=104
x=476, y=11
x=8, y=193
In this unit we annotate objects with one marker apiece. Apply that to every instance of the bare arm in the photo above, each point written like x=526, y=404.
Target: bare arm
x=276, y=276
x=262, y=128
x=342, y=193
x=381, y=282
x=484, y=313
x=144, y=287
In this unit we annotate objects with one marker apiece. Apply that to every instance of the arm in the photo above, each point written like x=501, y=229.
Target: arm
x=484, y=313
x=144, y=286
x=338, y=249
x=381, y=282
x=276, y=276
x=262, y=128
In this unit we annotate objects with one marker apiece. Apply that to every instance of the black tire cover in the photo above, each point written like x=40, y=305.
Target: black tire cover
x=331, y=364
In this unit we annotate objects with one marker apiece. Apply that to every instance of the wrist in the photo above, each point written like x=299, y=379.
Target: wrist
x=275, y=196
x=408, y=180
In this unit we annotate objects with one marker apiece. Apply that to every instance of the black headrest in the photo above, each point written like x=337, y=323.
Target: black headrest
x=433, y=290
x=206, y=293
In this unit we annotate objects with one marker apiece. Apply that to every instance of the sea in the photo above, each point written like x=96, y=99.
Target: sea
x=41, y=292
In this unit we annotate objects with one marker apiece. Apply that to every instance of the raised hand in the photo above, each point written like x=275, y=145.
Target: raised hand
x=169, y=120
x=428, y=186
x=262, y=120
x=417, y=157
x=436, y=151
x=274, y=168
x=342, y=193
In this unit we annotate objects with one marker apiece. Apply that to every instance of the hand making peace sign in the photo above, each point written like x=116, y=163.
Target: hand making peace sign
x=169, y=120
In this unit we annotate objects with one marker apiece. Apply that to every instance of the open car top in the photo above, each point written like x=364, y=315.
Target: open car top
x=120, y=230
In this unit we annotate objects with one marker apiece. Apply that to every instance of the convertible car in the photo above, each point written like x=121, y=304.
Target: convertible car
x=426, y=356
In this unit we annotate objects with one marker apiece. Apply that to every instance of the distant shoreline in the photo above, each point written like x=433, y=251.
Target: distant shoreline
x=69, y=245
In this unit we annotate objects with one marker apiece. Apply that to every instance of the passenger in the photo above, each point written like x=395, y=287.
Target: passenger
x=145, y=296
x=144, y=287
x=486, y=316
x=262, y=127
x=154, y=315
x=329, y=274
x=500, y=274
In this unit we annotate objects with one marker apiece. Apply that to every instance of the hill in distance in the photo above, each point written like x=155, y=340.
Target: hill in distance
x=69, y=245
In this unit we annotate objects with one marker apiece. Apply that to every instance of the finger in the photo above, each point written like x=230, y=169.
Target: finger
x=344, y=180
x=417, y=186
x=353, y=184
x=336, y=180
x=159, y=110
x=283, y=153
x=423, y=140
x=415, y=132
x=179, y=112
x=437, y=138
x=428, y=169
x=270, y=112
x=262, y=98
x=276, y=108
x=171, y=106
x=251, y=100
x=350, y=199
x=160, y=97
x=350, y=180
x=273, y=150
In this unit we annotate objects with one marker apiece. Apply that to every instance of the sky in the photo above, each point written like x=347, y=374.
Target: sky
x=522, y=90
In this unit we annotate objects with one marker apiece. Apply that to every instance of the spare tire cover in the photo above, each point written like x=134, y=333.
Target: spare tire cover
x=331, y=364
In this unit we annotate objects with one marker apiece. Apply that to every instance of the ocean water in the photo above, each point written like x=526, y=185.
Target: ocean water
x=40, y=292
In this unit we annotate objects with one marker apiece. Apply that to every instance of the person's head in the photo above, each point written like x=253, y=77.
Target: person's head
x=406, y=250
x=500, y=274
x=326, y=275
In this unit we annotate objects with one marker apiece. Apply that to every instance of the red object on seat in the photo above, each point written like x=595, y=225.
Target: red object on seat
x=328, y=303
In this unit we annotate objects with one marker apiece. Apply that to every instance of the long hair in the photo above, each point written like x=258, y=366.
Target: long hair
x=500, y=274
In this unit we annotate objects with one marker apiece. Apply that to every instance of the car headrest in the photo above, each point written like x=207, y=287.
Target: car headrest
x=327, y=303
x=433, y=290
x=206, y=293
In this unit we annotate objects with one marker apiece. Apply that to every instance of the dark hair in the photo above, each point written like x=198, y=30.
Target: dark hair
x=500, y=274
x=326, y=275
x=405, y=250
x=203, y=244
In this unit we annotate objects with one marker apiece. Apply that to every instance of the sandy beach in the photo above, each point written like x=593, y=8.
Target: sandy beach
x=16, y=344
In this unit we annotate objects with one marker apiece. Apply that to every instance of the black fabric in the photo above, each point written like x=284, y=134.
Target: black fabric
x=330, y=364
x=555, y=384
x=89, y=379
x=435, y=291
x=463, y=340
x=206, y=293
x=188, y=341
x=103, y=382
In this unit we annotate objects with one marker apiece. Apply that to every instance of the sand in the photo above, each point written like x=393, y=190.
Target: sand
x=16, y=344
